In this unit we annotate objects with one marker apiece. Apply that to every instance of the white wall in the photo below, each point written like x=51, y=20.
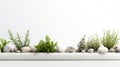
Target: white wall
x=63, y=20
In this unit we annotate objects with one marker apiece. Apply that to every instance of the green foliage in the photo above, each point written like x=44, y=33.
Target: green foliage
x=3, y=42
x=93, y=43
x=46, y=46
x=18, y=41
x=110, y=39
x=82, y=44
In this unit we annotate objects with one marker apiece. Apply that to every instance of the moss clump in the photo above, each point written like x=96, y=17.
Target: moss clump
x=46, y=46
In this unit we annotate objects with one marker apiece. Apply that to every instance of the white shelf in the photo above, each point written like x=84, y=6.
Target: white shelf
x=59, y=56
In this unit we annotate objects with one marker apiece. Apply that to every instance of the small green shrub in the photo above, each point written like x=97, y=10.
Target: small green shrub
x=82, y=44
x=3, y=42
x=46, y=46
x=18, y=41
x=94, y=43
x=110, y=39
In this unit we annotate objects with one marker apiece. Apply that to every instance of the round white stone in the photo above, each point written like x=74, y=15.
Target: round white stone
x=9, y=48
x=26, y=49
x=102, y=49
x=91, y=50
x=70, y=49
x=83, y=51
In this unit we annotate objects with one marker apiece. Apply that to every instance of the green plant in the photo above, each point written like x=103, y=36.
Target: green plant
x=82, y=44
x=94, y=43
x=3, y=42
x=46, y=46
x=110, y=39
x=18, y=41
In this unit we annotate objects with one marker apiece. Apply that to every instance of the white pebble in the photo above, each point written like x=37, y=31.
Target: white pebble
x=70, y=49
x=102, y=49
x=90, y=50
x=26, y=49
x=9, y=48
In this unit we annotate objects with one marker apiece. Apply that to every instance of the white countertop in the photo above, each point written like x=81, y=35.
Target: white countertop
x=59, y=56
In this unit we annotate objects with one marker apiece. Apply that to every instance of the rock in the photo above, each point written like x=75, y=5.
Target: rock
x=83, y=51
x=59, y=50
x=70, y=49
x=9, y=48
x=33, y=49
x=102, y=49
x=76, y=50
x=90, y=50
x=117, y=49
x=26, y=49
x=14, y=50
x=18, y=51
x=112, y=50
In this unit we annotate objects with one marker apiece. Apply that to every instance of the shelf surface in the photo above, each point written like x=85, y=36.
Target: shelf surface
x=59, y=56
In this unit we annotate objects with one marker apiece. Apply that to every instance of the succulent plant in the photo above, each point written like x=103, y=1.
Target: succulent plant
x=3, y=42
x=18, y=41
x=82, y=44
x=93, y=43
x=46, y=46
x=110, y=39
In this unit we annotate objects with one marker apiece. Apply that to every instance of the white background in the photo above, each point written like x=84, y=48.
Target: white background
x=64, y=21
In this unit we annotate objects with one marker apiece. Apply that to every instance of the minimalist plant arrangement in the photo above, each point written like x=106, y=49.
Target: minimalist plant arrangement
x=88, y=48
x=93, y=44
x=107, y=43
